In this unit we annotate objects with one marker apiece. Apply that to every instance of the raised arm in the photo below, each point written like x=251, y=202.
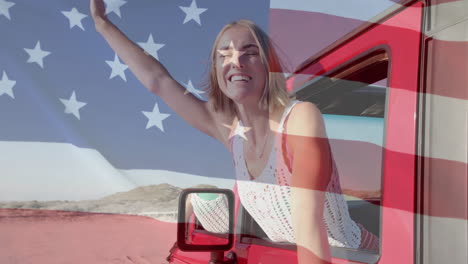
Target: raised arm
x=154, y=76
x=311, y=170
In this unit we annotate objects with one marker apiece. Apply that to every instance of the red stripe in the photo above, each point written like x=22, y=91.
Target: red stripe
x=43, y=236
x=447, y=72
x=361, y=168
x=447, y=188
x=301, y=34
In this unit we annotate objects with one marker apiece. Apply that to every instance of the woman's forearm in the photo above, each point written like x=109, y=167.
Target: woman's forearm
x=149, y=71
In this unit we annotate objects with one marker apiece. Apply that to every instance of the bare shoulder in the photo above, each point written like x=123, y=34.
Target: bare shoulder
x=305, y=119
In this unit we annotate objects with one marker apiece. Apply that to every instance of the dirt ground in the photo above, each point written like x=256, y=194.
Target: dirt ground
x=47, y=236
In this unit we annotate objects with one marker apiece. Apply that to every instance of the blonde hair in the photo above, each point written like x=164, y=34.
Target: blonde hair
x=274, y=92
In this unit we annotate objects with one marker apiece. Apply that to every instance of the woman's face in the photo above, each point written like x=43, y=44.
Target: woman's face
x=239, y=68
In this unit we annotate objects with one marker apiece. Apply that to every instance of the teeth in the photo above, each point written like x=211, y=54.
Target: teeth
x=239, y=78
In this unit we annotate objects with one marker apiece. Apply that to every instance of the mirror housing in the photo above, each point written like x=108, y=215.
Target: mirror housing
x=183, y=226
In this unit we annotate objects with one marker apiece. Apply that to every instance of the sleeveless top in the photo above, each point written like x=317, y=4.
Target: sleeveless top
x=267, y=198
x=213, y=214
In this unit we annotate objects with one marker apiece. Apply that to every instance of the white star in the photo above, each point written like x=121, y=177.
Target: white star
x=114, y=6
x=37, y=54
x=240, y=131
x=237, y=129
x=190, y=89
x=155, y=118
x=150, y=47
x=72, y=106
x=231, y=55
x=6, y=86
x=118, y=68
x=75, y=18
x=4, y=8
x=192, y=12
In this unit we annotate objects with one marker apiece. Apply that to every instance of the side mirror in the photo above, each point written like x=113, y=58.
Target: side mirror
x=205, y=220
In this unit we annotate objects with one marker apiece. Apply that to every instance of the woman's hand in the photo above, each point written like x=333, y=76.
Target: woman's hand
x=98, y=12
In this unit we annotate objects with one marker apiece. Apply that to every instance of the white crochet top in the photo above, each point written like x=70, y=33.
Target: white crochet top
x=212, y=214
x=267, y=197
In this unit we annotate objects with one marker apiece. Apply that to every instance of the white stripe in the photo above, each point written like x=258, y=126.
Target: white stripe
x=364, y=129
x=447, y=239
x=179, y=179
x=444, y=15
x=55, y=171
x=457, y=32
x=357, y=9
x=446, y=128
x=60, y=171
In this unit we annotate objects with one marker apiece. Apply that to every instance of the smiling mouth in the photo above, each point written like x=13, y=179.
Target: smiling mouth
x=239, y=78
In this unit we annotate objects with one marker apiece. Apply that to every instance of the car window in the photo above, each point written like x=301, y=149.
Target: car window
x=353, y=103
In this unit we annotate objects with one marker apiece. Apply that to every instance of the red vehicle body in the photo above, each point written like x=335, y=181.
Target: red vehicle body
x=421, y=210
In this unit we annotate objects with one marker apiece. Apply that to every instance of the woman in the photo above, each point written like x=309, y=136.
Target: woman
x=280, y=149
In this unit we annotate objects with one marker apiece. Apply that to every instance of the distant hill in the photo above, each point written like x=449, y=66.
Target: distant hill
x=141, y=200
x=158, y=193
x=157, y=201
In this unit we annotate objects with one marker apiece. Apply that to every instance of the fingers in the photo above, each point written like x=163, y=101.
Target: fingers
x=97, y=8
